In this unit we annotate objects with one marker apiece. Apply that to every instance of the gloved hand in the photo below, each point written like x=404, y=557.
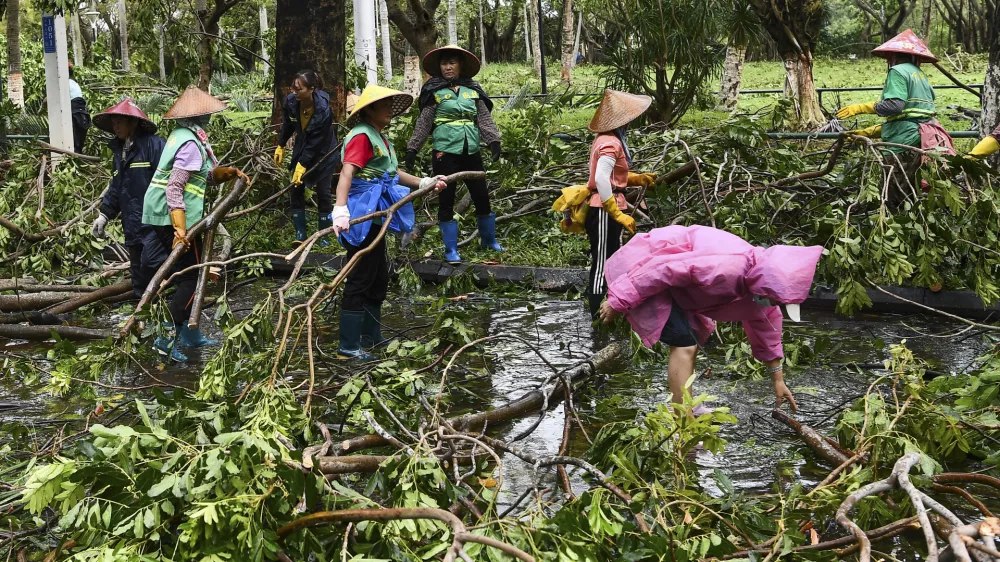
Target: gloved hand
x=97, y=229
x=222, y=174
x=495, y=150
x=411, y=157
x=873, y=132
x=437, y=182
x=611, y=206
x=279, y=155
x=341, y=218
x=179, y=221
x=856, y=109
x=641, y=180
x=300, y=171
x=985, y=147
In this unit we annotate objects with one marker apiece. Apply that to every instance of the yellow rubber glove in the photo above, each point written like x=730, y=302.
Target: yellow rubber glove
x=279, y=155
x=873, y=132
x=611, y=206
x=987, y=146
x=641, y=180
x=856, y=109
x=298, y=173
x=179, y=221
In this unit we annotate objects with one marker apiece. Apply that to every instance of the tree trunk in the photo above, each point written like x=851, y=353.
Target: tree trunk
x=801, y=88
x=567, y=42
x=123, y=33
x=576, y=41
x=161, y=30
x=74, y=24
x=925, y=24
x=732, y=75
x=527, y=31
x=310, y=35
x=536, y=47
x=263, y=44
x=991, y=84
x=15, y=80
x=482, y=33
x=452, y=22
x=383, y=20
x=412, y=77
x=205, y=55
x=415, y=21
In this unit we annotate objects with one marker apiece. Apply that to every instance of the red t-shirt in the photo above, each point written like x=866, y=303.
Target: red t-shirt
x=359, y=151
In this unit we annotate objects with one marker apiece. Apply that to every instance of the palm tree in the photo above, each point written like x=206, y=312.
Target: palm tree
x=744, y=28
x=15, y=81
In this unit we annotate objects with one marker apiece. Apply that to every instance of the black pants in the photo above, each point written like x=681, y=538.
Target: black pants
x=324, y=195
x=605, y=236
x=135, y=268
x=446, y=164
x=900, y=171
x=368, y=282
x=156, y=246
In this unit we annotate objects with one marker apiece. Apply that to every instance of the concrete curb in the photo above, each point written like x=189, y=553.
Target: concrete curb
x=562, y=279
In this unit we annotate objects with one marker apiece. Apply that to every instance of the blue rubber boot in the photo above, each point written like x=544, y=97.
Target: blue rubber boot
x=371, y=328
x=351, y=322
x=167, y=346
x=193, y=338
x=449, y=233
x=324, y=223
x=488, y=232
x=299, y=221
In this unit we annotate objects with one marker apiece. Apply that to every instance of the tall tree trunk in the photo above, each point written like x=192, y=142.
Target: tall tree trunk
x=15, y=80
x=925, y=24
x=411, y=72
x=452, y=22
x=576, y=42
x=205, y=55
x=161, y=30
x=536, y=48
x=263, y=44
x=527, y=31
x=991, y=84
x=123, y=31
x=310, y=35
x=567, y=42
x=383, y=20
x=732, y=75
x=482, y=33
x=74, y=24
x=801, y=88
x=415, y=21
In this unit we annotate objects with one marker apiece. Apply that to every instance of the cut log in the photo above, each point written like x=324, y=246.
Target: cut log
x=33, y=301
x=42, y=333
x=826, y=448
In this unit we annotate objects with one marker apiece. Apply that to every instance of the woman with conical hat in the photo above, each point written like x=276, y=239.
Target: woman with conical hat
x=136, y=148
x=455, y=113
x=174, y=202
x=306, y=113
x=370, y=181
x=610, y=165
x=907, y=104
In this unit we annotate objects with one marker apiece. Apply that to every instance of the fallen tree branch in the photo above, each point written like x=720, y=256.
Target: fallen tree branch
x=53, y=148
x=108, y=292
x=42, y=333
x=834, y=155
x=34, y=301
x=826, y=448
x=882, y=533
x=934, y=310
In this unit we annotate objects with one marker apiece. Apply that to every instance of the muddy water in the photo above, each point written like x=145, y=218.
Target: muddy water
x=759, y=454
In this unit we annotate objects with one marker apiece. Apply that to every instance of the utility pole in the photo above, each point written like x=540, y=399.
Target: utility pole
x=365, y=53
x=263, y=43
x=57, y=81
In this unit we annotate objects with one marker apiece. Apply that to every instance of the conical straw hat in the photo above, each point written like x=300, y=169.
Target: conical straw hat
x=352, y=100
x=618, y=109
x=373, y=93
x=126, y=108
x=194, y=103
x=470, y=62
x=908, y=43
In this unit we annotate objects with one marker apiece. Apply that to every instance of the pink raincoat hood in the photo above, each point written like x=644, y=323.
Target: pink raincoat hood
x=783, y=274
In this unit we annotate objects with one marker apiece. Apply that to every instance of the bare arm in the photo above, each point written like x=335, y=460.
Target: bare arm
x=344, y=184
x=409, y=180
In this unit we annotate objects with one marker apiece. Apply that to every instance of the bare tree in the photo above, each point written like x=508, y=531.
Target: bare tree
x=888, y=14
x=15, y=80
x=969, y=21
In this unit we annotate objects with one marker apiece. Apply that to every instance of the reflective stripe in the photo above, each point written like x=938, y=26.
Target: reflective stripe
x=459, y=122
x=139, y=165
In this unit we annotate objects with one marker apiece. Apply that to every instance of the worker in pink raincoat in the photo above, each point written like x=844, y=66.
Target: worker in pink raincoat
x=673, y=283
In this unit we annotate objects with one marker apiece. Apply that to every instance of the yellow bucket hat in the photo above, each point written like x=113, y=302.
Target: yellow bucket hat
x=400, y=102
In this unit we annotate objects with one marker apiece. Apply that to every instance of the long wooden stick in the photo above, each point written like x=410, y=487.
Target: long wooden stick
x=957, y=82
x=53, y=148
x=199, y=292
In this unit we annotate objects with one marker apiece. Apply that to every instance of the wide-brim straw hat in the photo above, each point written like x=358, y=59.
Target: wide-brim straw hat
x=125, y=108
x=400, y=102
x=352, y=100
x=907, y=43
x=194, y=102
x=470, y=62
x=618, y=109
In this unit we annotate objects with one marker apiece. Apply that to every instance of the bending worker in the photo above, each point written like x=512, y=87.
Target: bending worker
x=306, y=113
x=174, y=202
x=455, y=112
x=136, y=148
x=370, y=181
x=908, y=105
x=673, y=283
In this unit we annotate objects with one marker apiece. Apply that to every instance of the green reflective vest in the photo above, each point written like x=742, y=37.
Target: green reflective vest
x=907, y=82
x=154, y=205
x=383, y=159
x=455, y=130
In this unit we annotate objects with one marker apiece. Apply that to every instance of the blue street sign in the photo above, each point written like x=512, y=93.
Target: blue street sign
x=49, y=33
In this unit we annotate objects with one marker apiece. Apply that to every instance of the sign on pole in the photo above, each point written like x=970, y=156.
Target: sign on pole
x=57, y=81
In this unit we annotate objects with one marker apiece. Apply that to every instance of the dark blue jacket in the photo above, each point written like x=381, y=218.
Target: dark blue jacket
x=318, y=139
x=129, y=179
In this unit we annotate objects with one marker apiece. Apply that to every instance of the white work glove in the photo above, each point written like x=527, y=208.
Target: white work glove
x=97, y=229
x=341, y=218
x=437, y=182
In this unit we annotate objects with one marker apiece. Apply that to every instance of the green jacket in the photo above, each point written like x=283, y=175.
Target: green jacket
x=907, y=82
x=382, y=161
x=154, y=207
x=455, y=130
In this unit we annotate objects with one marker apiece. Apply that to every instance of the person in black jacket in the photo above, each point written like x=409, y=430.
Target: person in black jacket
x=306, y=113
x=136, y=148
x=79, y=114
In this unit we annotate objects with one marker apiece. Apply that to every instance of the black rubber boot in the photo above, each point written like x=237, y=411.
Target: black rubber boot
x=350, y=335
x=371, y=328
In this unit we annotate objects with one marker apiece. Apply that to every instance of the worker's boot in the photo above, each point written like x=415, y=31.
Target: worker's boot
x=449, y=234
x=594, y=302
x=323, y=224
x=371, y=328
x=488, y=232
x=167, y=345
x=193, y=338
x=299, y=222
x=351, y=322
